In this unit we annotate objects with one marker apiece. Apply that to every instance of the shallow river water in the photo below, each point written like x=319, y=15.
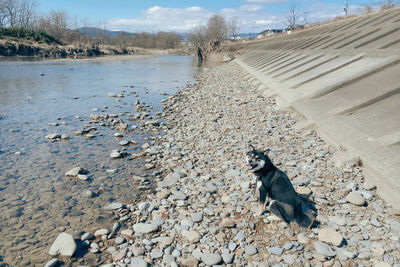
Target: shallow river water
x=37, y=200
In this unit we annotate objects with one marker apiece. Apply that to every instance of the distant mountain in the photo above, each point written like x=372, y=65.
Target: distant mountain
x=92, y=31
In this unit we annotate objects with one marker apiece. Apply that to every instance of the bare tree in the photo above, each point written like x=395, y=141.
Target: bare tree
x=10, y=10
x=294, y=11
x=55, y=24
x=3, y=15
x=26, y=14
x=388, y=4
x=217, y=30
x=234, y=26
x=198, y=36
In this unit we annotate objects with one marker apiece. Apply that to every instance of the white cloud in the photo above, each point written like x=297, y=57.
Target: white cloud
x=253, y=17
x=159, y=18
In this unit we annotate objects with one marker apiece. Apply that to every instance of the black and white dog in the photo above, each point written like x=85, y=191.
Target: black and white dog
x=272, y=183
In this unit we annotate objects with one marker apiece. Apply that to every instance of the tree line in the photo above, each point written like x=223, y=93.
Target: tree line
x=208, y=38
x=18, y=15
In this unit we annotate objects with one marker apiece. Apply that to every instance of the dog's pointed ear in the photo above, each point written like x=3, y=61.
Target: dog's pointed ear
x=266, y=151
x=252, y=147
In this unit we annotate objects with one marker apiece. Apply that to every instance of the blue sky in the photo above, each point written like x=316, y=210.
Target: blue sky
x=183, y=15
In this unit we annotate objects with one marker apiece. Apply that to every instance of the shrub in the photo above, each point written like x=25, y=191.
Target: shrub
x=22, y=34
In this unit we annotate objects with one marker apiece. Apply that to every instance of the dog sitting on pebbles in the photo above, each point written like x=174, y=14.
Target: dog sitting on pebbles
x=275, y=190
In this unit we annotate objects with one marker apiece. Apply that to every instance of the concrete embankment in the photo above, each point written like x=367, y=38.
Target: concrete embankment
x=344, y=78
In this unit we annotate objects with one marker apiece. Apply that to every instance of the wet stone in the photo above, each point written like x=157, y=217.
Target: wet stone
x=64, y=245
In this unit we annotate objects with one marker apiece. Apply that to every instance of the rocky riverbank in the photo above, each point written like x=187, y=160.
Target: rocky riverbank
x=25, y=49
x=201, y=208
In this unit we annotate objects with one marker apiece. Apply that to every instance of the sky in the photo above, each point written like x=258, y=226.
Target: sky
x=184, y=15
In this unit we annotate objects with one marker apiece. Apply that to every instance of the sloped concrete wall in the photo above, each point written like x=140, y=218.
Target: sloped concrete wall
x=345, y=78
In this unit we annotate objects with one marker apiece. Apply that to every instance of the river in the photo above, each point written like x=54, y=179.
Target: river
x=37, y=98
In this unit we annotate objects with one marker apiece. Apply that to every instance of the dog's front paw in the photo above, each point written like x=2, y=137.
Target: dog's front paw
x=260, y=210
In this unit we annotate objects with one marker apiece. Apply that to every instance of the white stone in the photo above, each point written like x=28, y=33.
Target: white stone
x=144, y=228
x=355, y=198
x=51, y=263
x=64, y=245
x=191, y=236
x=75, y=171
x=330, y=236
x=211, y=258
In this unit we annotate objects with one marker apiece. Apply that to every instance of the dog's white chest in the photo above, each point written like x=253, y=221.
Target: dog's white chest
x=258, y=184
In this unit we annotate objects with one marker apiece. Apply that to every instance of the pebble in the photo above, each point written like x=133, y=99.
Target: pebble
x=119, y=240
x=114, y=206
x=383, y=264
x=87, y=236
x=211, y=258
x=64, y=245
x=289, y=259
x=75, y=171
x=191, y=236
x=51, y=263
x=144, y=228
x=232, y=246
x=53, y=136
x=82, y=177
x=355, y=198
x=250, y=250
x=155, y=254
x=197, y=217
x=324, y=249
x=303, y=239
x=330, y=236
x=227, y=258
x=139, y=262
x=116, y=154
x=275, y=250
x=101, y=232
x=303, y=190
x=118, y=135
x=124, y=143
x=88, y=193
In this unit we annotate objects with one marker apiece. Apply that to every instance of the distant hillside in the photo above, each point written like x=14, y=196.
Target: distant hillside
x=94, y=32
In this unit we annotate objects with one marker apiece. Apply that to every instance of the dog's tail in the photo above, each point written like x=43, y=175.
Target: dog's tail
x=306, y=219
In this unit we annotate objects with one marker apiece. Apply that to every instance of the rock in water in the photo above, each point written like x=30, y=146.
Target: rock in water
x=64, y=245
x=330, y=236
x=114, y=206
x=53, y=136
x=124, y=143
x=75, y=171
